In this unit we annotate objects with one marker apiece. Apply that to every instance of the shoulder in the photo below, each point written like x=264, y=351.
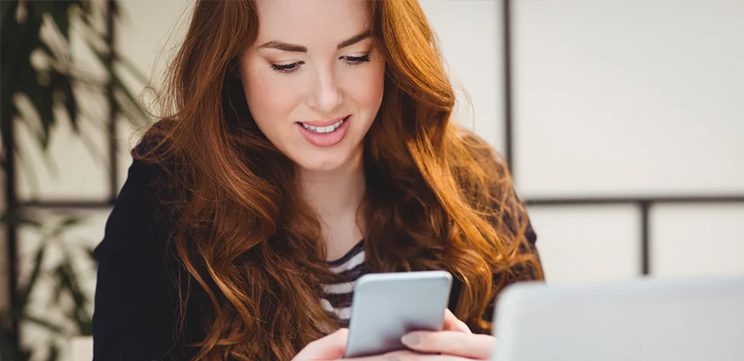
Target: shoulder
x=138, y=277
x=138, y=216
x=154, y=148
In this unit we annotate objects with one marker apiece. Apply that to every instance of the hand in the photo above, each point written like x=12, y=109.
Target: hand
x=455, y=342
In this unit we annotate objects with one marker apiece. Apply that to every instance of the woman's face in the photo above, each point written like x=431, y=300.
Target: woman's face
x=313, y=79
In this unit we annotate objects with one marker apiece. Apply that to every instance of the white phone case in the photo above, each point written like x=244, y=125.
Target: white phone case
x=386, y=306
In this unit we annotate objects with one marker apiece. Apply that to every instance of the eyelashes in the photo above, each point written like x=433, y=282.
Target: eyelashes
x=356, y=60
x=289, y=68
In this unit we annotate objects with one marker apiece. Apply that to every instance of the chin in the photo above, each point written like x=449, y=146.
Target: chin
x=320, y=165
x=323, y=163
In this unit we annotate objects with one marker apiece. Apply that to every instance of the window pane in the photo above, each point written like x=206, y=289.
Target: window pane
x=628, y=97
x=587, y=243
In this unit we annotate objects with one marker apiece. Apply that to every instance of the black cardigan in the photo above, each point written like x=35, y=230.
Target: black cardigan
x=136, y=298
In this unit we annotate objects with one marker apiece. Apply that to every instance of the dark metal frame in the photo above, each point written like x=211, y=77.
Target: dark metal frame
x=644, y=203
x=11, y=231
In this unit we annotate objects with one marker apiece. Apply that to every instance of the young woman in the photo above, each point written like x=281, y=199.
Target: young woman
x=305, y=143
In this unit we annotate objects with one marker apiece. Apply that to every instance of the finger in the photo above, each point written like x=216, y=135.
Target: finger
x=452, y=323
x=408, y=356
x=330, y=347
x=453, y=343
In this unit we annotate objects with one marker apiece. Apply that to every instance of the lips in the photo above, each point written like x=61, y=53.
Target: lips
x=324, y=123
x=324, y=133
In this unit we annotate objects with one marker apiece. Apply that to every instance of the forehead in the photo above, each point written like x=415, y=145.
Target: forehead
x=311, y=22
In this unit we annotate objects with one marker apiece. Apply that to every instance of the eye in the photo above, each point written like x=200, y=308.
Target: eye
x=287, y=68
x=355, y=60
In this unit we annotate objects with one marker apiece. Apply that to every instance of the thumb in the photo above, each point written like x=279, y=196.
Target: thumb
x=330, y=347
x=452, y=323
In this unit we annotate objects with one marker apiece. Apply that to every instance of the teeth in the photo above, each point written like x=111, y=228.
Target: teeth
x=323, y=130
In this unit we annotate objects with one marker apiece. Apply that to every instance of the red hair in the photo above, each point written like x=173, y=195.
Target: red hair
x=437, y=196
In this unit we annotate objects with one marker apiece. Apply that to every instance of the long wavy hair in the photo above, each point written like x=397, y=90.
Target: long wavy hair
x=437, y=196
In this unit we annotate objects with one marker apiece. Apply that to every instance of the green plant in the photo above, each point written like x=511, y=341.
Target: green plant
x=68, y=295
x=42, y=86
x=53, y=82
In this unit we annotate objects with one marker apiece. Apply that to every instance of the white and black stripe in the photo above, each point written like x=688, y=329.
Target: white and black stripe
x=337, y=296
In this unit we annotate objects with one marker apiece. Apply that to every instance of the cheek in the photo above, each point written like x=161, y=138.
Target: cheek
x=269, y=97
x=367, y=87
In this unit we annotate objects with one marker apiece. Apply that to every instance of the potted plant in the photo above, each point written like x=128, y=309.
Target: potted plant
x=38, y=70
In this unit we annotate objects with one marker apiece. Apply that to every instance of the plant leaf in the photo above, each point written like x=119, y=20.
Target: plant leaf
x=58, y=11
x=18, y=41
x=68, y=220
x=128, y=104
x=129, y=65
x=53, y=352
x=51, y=326
x=25, y=292
x=40, y=96
x=70, y=103
x=19, y=219
x=79, y=314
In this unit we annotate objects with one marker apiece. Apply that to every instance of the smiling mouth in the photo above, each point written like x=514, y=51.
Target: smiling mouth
x=324, y=129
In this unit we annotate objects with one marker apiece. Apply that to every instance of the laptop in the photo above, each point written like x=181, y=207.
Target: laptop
x=643, y=320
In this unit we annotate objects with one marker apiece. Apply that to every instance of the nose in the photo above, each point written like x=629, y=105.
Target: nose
x=325, y=96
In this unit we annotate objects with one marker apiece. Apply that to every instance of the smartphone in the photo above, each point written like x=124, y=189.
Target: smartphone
x=386, y=306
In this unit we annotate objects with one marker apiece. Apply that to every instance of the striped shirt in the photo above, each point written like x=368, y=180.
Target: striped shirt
x=337, y=296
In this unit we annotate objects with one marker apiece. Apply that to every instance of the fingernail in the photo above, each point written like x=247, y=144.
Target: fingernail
x=410, y=339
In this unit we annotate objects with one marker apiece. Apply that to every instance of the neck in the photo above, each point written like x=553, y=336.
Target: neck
x=330, y=193
x=335, y=197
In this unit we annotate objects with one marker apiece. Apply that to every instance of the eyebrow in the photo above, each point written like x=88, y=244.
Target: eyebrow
x=301, y=49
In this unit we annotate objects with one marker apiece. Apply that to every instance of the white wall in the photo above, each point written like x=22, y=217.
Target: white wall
x=632, y=98
x=469, y=33
x=629, y=97
x=698, y=239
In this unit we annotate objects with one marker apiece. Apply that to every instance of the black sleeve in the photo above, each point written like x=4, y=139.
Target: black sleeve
x=133, y=315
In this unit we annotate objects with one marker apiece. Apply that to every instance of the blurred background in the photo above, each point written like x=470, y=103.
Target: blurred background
x=623, y=122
